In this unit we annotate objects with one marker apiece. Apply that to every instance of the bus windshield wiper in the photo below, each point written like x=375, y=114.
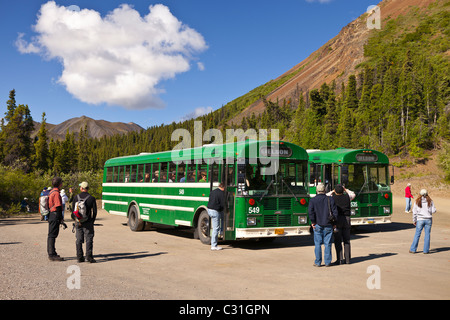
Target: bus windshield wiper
x=289, y=188
x=266, y=191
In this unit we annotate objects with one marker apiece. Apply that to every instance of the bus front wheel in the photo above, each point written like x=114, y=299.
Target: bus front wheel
x=203, y=228
x=134, y=222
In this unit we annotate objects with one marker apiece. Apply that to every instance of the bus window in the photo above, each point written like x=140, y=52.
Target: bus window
x=231, y=171
x=148, y=172
x=116, y=174
x=172, y=172
x=140, y=173
x=215, y=172
x=203, y=173
x=163, y=172
x=126, y=174
x=109, y=174
x=314, y=174
x=191, y=173
x=155, y=172
x=121, y=174
x=133, y=172
x=181, y=175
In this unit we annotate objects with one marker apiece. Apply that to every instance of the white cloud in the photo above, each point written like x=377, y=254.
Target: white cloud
x=200, y=111
x=118, y=59
x=25, y=47
x=200, y=66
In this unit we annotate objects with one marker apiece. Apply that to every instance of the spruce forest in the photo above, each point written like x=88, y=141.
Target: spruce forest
x=397, y=102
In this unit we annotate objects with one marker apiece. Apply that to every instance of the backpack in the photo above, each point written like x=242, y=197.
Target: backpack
x=43, y=203
x=81, y=212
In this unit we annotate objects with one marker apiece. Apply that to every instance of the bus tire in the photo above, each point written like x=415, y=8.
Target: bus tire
x=203, y=227
x=134, y=222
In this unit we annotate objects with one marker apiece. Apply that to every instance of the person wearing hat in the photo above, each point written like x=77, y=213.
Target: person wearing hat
x=422, y=218
x=320, y=210
x=85, y=230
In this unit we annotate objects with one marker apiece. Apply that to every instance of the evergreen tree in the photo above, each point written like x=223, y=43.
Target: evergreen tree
x=17, y=143
x=41, y=147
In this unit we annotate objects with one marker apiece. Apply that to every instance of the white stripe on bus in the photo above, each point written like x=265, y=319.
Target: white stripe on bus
x=152, y=196
x=159, y=184
x=160, y=206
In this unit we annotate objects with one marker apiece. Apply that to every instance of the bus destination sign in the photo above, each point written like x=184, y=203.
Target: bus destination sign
x=364, y=157
x=281, y=151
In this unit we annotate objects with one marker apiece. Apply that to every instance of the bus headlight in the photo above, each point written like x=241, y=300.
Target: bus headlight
x=386, y=210
x=251, y=221
x=302, y=220
x=352, y=211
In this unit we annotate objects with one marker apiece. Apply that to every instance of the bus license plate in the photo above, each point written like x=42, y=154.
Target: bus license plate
x=370, y=220
x=279, y=231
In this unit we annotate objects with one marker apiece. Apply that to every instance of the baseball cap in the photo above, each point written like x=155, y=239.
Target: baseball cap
x=84, y=185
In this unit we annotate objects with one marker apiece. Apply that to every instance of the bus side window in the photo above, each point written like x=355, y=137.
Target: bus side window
x=215, y=172
x=115, y=174
x=127, y=174
x=203, y=173
x=163, y=172
x=148, y=172
x=155, y=172
x=109, y=174
x=121, y=174
x=313, y=175
x=133, y=172
x=140, y=173
x=181, y=176
x=191, y=173
x=172, y=172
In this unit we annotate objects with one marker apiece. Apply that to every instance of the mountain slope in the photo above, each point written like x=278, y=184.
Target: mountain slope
x=335, y=60
x=95, y=128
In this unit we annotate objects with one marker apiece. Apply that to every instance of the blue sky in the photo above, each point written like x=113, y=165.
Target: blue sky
x=153, y=62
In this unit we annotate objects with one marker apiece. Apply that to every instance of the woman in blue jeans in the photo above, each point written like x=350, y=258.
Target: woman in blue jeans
x=422, y=219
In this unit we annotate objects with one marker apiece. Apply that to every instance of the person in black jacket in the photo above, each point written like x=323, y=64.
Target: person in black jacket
x=342, y=201
x=319, y=214
x=216, y=205
x=85, y=230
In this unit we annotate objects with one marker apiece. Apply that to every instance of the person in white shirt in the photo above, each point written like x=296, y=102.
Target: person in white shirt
x=422, y=218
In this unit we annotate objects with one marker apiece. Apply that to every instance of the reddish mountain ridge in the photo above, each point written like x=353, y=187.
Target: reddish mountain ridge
x=335, y=60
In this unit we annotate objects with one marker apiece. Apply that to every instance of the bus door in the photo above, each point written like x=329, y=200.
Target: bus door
x=229, y=177
x=225, y=172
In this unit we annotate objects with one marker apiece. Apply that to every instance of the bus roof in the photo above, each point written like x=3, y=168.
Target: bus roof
x=238, y=149
x=343, y=155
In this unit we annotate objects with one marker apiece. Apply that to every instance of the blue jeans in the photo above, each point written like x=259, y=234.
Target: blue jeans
x=408, y=204
x=216, y=216
x=422, y=224
x=323, y=235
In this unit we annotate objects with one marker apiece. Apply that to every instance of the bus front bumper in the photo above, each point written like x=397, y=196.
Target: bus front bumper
x=247, y=233
x=360, y=221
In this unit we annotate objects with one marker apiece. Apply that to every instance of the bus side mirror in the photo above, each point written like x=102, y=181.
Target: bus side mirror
x=392, y=176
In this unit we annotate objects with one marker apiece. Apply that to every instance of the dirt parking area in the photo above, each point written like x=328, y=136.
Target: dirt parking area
x=169, y=264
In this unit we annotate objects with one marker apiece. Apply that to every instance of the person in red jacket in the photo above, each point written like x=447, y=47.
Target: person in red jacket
x=408, y=197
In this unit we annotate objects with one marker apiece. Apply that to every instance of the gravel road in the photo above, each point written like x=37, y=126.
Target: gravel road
x=169, y=264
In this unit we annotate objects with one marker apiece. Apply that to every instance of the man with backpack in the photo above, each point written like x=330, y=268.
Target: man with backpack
x=84, y=214
x=54, y=218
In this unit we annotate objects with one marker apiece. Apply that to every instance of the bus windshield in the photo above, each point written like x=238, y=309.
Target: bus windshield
x=365, y=177
x=290, y=179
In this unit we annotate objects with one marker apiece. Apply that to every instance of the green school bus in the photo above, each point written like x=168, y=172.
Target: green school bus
x=266, y=189
x=363, y=171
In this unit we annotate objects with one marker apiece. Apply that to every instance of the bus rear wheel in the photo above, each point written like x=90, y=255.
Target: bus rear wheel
x=134, y=222
x=203, y=227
